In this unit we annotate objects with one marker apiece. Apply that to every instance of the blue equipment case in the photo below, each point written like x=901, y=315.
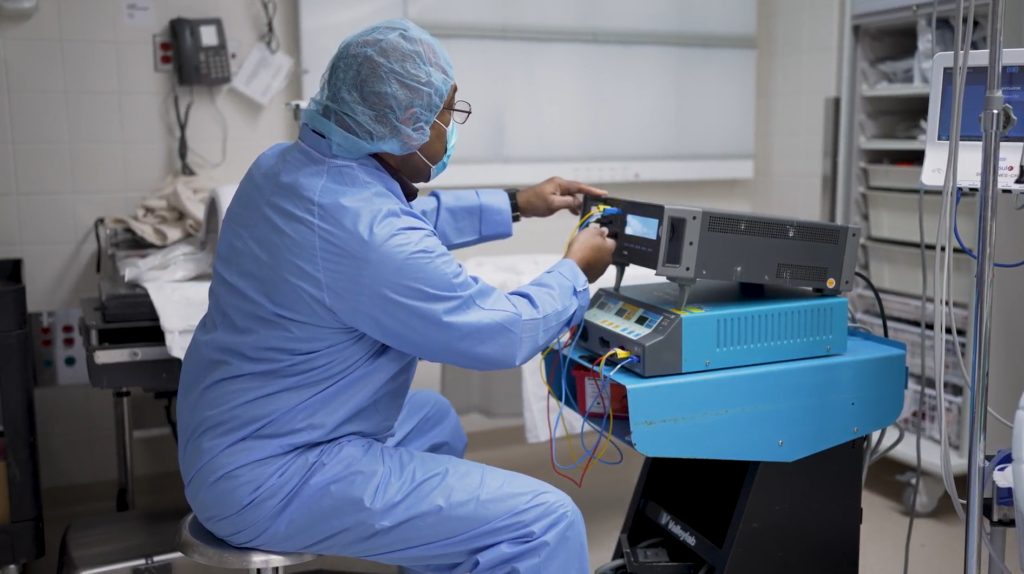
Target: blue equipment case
x=723, y=325
x=752, y=470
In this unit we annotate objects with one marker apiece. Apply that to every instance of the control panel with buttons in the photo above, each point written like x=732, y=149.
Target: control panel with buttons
x=57, y=348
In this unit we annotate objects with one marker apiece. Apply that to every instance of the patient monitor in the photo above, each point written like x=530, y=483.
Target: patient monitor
x=940, y=114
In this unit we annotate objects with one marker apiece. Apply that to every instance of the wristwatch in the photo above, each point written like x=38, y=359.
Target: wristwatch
x=513, y=202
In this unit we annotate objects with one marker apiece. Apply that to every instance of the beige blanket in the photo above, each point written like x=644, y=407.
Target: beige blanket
x=170, y=214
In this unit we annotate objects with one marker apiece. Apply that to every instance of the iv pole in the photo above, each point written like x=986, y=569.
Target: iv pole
x=992, y=123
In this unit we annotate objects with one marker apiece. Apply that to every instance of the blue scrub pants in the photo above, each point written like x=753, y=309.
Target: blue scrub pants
x=413, y=502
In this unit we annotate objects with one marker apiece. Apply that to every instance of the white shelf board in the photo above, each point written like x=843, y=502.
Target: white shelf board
x=906, y=453
x=896, y=91
x=882, y=144
x=498, y=174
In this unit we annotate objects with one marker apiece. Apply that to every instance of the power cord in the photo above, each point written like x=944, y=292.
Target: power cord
x=956, y=232
x=182, y=121
x=269, y=37
x=918, y=464
x=878, y=301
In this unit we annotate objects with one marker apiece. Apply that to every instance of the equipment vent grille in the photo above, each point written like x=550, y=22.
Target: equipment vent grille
x=775, y=328
x=773, y=230
x=801, y=272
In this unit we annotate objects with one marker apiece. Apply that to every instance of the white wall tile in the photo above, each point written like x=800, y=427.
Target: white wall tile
x=46, y=220
x=146, y=167
x=38, y=118
x=143, y=118
x=52, y=275
x=7, y=185
x=94, y=118
x=9, y=233
x=42, y=169
x=90, y=67
x=43, y=25
x=89, y=209
x=87, y=19
x=135, y=70
x=194, y=8
x=134, y=32
x=34, y=66
x=97, y=168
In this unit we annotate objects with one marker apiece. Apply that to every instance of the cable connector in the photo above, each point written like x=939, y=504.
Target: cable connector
x=634, y=359
x=622, y=354
x=608, y=210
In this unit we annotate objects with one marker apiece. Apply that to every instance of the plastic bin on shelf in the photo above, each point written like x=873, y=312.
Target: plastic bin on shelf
x=887, y=176
x=905, y=308
x=892, y=216
x=911, y=419
x=910, y=335
x=897, y=268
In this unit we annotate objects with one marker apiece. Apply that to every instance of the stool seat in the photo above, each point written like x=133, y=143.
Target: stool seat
x=199, y=544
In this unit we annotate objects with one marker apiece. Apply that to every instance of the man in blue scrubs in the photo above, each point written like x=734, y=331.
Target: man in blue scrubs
x=298, y=430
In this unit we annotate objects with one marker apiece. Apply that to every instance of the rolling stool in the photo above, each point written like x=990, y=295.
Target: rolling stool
x=199, y=544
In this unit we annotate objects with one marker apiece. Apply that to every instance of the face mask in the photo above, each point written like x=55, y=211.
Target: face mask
x=436, y=170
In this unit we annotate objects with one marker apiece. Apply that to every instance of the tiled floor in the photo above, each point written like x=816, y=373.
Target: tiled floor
x=937, y=544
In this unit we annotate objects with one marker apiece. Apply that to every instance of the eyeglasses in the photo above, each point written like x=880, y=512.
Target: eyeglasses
x=461, y=111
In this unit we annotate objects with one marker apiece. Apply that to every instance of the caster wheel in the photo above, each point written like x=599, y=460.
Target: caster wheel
x=928, y=498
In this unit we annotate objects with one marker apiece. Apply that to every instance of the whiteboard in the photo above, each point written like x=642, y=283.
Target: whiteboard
x=617, y=91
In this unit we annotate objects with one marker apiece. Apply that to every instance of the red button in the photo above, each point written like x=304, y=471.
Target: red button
x=165, y=46
x=68, y=329
x=47, y=342
x=45, y=330
x=165, y=59
x=69, y=341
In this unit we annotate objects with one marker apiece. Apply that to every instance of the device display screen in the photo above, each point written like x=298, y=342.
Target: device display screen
x=638, y=226
x=974, y=102
x=209, y=36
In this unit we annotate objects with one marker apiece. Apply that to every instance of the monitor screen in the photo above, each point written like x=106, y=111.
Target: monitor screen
x=974, y=103
x=637, y=226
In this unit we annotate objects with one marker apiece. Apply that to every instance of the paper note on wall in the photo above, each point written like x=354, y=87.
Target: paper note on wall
x=263, y=74
x=138, y=12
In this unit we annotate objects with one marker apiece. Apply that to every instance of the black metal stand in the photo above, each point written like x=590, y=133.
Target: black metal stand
x=733, y=517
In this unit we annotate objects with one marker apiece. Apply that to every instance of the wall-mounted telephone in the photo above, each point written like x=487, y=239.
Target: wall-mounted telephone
x=200, y=52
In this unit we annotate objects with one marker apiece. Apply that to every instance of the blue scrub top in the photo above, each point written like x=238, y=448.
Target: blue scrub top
x=327, y=287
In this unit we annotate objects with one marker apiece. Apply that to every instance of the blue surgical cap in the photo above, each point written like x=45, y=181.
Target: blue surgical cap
x=382, y=91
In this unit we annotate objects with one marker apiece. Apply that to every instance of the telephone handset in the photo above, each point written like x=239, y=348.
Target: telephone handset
x=200, y=52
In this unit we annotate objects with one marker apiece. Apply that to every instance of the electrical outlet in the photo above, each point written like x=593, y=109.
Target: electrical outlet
x=58, y=348
x=163, y=54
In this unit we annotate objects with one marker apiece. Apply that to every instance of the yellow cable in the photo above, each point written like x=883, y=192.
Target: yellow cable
x=611, y=410
x=583, y=220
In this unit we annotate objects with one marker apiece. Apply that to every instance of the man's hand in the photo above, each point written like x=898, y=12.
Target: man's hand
x=592, y=251
x=553, y=195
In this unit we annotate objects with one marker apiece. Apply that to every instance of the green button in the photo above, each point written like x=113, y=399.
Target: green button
x=69, y=361
x=47, y=363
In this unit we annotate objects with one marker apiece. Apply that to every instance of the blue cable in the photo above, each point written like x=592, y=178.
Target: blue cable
x=604, y=391
x=566, y=358
x=956, y=232
x=568, y=399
